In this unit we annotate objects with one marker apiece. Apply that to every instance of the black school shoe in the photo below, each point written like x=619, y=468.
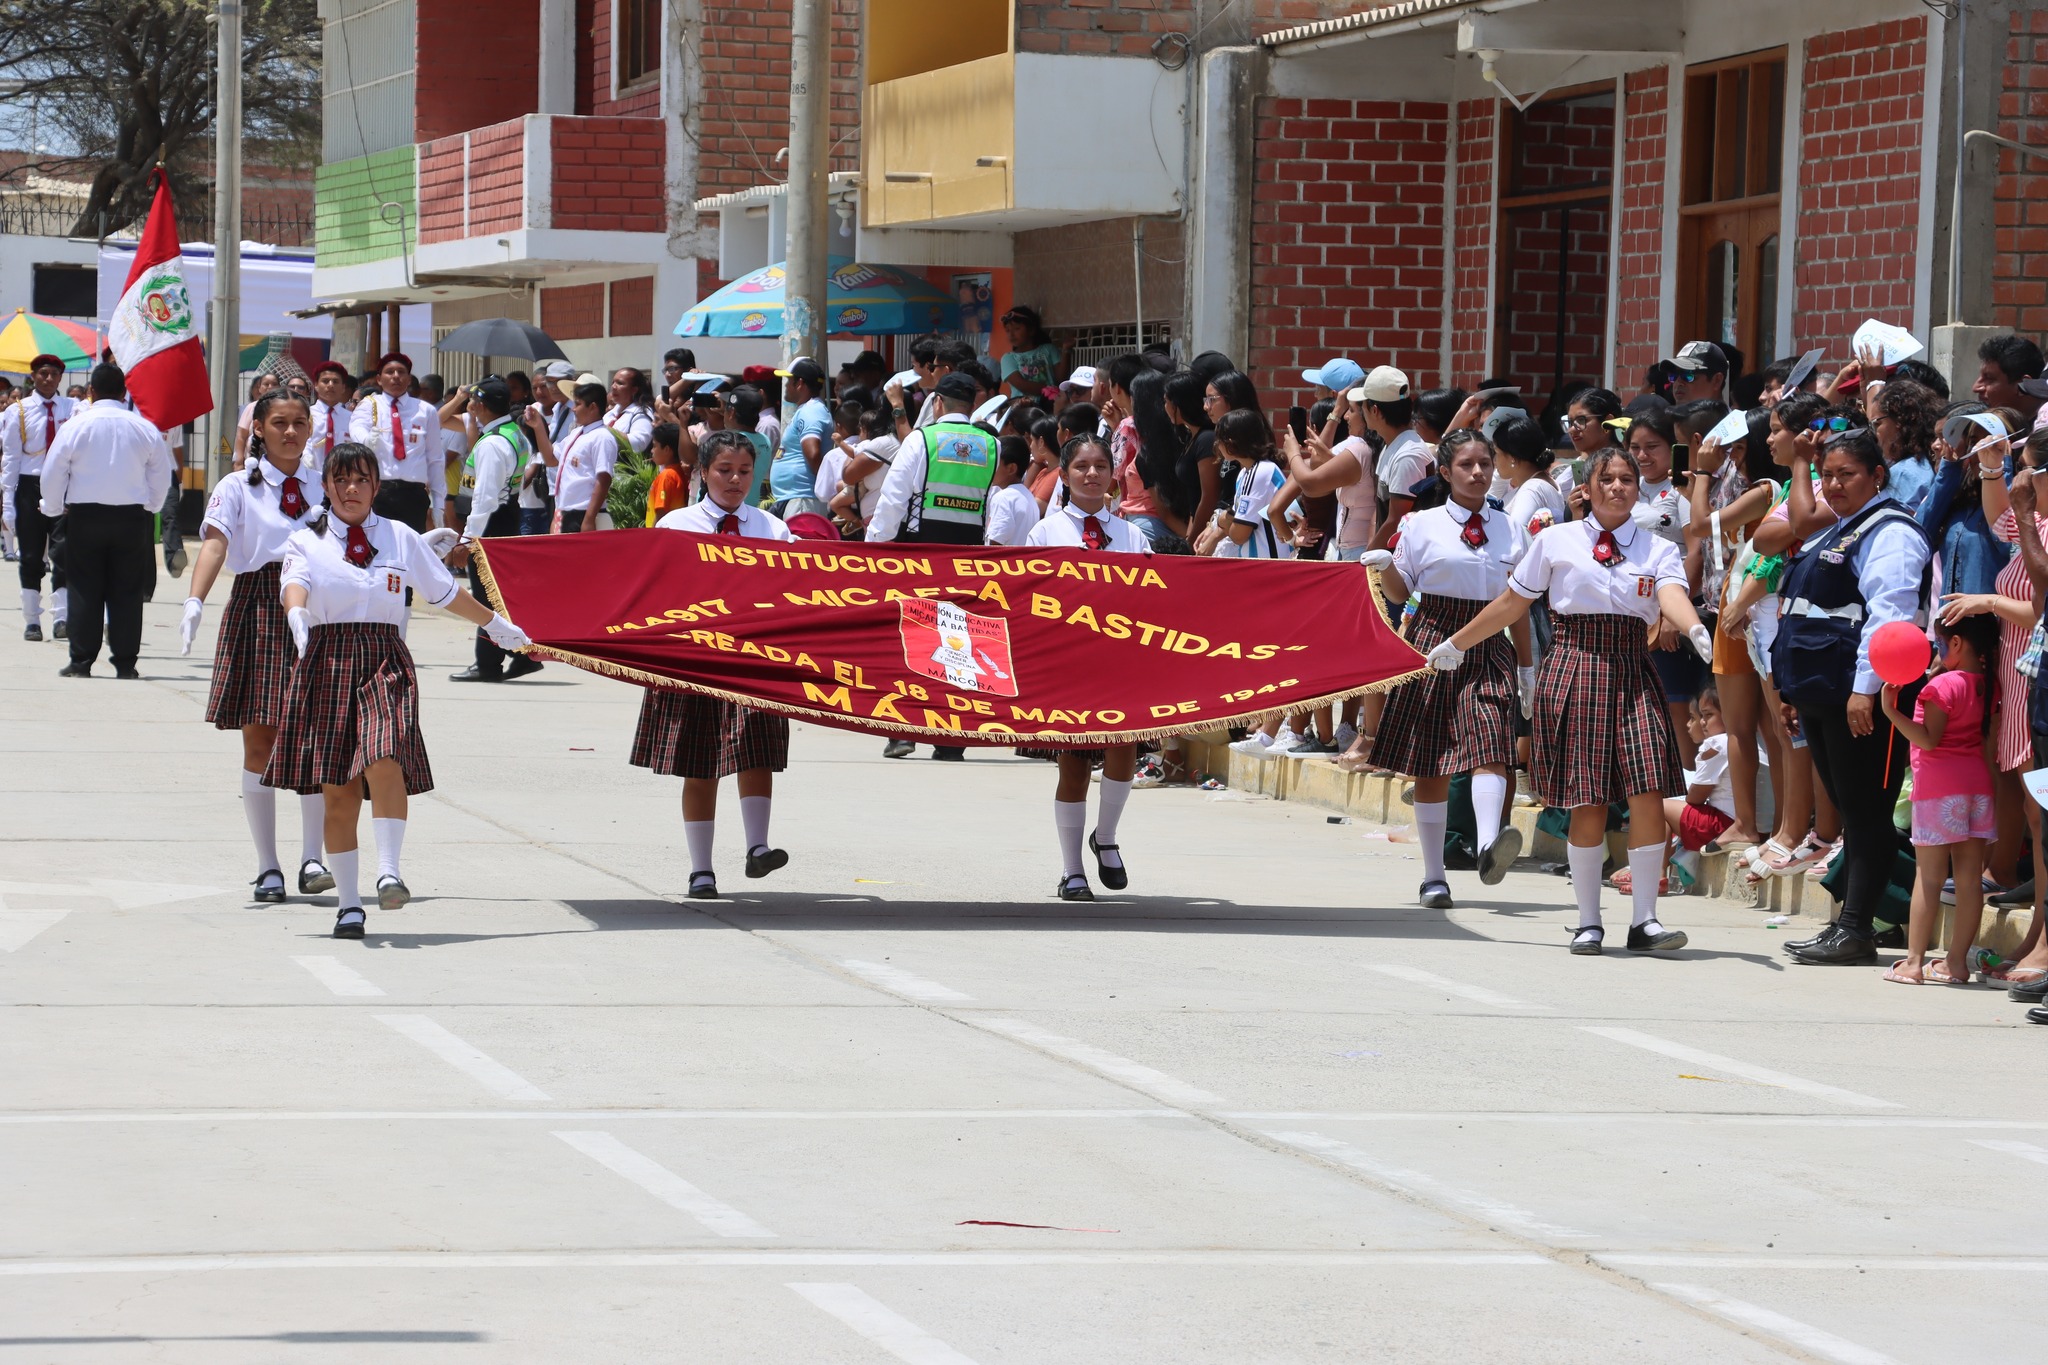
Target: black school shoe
x=520, y=666
x=1075, y=888
x=898, y=748
x=763, y=860
x=2037, y=1015
x=1641, y=940
x=349, y=923
x=1588, y=941
x=1837, y=947
x=475, y=674
x=33, y=634
x=1115, y=878
x=270, y=888
x=1497, y=857
x=945, y=755
x=1435, y=895
x=703, y=887
x=314, y=877
x=75, y=670
x=60, y=631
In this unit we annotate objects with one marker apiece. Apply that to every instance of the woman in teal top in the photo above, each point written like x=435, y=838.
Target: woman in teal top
x=1033, y=361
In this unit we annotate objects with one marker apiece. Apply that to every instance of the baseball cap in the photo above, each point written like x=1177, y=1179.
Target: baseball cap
x=558, y=369
x=1083, y=377
x=1384, y=385
x=1699, y=357
x=1338, y=374
x=2034, y=388
x=757, y=374
x=588, y=378
x=493, y=391
x=804, y=368
x=957, y=387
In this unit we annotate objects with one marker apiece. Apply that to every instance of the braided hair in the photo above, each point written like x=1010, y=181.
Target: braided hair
x=254, y=462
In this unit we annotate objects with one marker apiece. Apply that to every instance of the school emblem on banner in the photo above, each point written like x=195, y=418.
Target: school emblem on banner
x=969, y=652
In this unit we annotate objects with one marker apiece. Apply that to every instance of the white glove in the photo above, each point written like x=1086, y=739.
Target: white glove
x=1525, y=684
x=441, y=540
x=188, y=629
x=1376, y=559
x=1446, y=657
x=1702, y=644
x=301, y=622
x=505, y=635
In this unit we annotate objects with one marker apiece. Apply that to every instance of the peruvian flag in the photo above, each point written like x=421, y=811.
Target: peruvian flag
x=151, y=330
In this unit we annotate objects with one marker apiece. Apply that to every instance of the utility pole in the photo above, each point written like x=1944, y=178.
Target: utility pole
x=226, y=339
x=810, y=115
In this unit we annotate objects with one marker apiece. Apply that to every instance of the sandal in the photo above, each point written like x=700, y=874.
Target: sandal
x=1897, y=974
x=1936, y=974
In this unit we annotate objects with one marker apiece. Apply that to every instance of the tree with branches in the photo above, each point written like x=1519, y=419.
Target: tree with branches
x=123, y=85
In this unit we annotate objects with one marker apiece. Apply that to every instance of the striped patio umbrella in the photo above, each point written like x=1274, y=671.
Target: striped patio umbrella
x=28, y=335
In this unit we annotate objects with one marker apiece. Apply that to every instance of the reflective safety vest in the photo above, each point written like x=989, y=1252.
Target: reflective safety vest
x=522, y=453
x=1813, y=658
x=959, y=467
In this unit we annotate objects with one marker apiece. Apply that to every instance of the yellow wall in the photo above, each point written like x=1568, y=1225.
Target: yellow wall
x=908, y=37
x=939, y=123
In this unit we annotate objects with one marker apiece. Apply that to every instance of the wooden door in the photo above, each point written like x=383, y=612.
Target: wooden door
x=1732, y=296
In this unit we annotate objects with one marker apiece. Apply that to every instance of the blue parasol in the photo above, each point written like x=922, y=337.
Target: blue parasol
x=871, y=300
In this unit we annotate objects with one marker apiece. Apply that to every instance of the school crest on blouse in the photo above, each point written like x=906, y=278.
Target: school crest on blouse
x=943, y=641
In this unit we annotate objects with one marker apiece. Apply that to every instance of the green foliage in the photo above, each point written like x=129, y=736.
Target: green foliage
x=631, y=479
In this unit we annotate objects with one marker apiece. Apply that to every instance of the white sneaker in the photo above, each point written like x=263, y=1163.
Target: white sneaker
x=1285, y=741
x=1253, y=743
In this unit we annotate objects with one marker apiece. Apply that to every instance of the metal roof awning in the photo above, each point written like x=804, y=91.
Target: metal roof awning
x=1400, y=17
x=840, y=185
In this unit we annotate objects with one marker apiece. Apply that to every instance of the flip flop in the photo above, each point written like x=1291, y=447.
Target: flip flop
x=1893, y=975
x=1936, y=974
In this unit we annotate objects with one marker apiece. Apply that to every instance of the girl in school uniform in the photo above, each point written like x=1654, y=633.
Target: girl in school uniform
x=1085, y=522
x=1602, y=733
x=702, y=739
x=252, y=513
x=1457, y=558
x=352, y=712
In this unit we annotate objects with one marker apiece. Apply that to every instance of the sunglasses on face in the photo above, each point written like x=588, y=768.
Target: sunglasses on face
x=1836, y=424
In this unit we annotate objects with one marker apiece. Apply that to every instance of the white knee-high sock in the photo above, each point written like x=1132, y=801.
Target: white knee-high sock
x=1645, y=870
x=60, y=599
x=1069, y=818
x=697, y=834
x=1432, y=818
x=312, y=826
x=32, y=606
x=259, y=807
x=754, y=820
x=343, y=866
x=1489, y=791
x=390, y=835
x=1108, y=813
x=1585, y=864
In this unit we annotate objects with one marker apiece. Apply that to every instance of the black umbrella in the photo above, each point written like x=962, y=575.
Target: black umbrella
x=501, y=336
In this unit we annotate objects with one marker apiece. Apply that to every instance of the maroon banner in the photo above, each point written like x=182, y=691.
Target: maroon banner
x=959, y=645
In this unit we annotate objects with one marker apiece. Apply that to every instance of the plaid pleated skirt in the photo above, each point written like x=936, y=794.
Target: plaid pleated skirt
x=354, y=700
x=254, y=656
x=1443, y=724
x=1600, y=733
x=687, y=734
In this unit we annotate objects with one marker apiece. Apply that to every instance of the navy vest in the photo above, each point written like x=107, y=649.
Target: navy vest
x=1813, y=659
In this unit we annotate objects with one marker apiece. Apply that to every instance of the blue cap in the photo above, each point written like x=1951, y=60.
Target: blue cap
x=1339, y=374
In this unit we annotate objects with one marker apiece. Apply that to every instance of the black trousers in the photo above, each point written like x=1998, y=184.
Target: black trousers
x=573, y=521
x=1864, y=786
x=490, y=660
x=403, y=502
x=112, y=568
x=35, y=533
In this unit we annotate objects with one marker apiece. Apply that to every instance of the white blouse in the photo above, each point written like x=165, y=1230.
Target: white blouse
x=248, y=517
x=636, y=424
x=1434, y=559
x=591, y=451
x=704, y=517
x=337, y=592
x=1063, y=528
x=1560, y=562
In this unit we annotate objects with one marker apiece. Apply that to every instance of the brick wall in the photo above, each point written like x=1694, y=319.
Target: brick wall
x=633, y=307
x=1122, y=28
x=609, y=174
x=1471, y=261
x=572, y=311
x=497, y=183
x=2019, y=274
x=1560, y=145
x=594, y=68
x=476, y=64
x=1859, y=190
x=1638, y=307
x=1347, y=238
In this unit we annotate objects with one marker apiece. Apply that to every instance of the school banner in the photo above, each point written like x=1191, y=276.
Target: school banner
x=959, y=645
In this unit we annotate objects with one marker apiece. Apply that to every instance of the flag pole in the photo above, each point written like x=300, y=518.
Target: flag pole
x=224, y=338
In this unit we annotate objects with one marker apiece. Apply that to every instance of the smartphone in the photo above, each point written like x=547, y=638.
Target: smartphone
x=1297, y=422
x=1681, y=461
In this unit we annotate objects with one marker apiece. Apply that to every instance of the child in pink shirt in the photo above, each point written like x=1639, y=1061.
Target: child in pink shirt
x=1953, y=816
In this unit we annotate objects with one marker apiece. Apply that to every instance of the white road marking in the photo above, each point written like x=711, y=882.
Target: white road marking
x=1672, y=1260
x=1449, y=987
x=903, y=983
x=2025, y=1151
x=338, y=977
x=879, y=1323
x=1762, y=1075
x=1495, y=1211
x=486, y=1071
x=1108, y=1063
x=522, y=1260
x=1806, y=1337
x=1618, y=1119
x=594, y=1115
x=664, y=1184
x=17, y=927
x=125, y=895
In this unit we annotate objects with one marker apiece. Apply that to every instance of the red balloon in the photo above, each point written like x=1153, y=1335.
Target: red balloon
x=1899, y=653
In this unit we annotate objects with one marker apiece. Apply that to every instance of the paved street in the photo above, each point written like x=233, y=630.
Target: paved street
x=1260, y=1110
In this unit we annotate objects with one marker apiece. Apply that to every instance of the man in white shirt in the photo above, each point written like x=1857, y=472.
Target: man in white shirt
x=106, y=474
x=587, y=457
x=332, y=414
x=548, y=423
x=1012, y=511
x=406, y=434
x=491, y=476
x=30, y=428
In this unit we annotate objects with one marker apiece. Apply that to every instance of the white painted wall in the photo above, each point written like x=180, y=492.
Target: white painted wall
x=1071, y=106
x=19, y=256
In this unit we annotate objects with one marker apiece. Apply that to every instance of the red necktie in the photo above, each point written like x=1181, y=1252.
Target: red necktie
x=1474, y=533
x=49, y=423
x=1091, y=534
x=729, y=524
x=291, y=501
x=1605, y=551
x=397, y=436
x=330, y=431
x=359, y=551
